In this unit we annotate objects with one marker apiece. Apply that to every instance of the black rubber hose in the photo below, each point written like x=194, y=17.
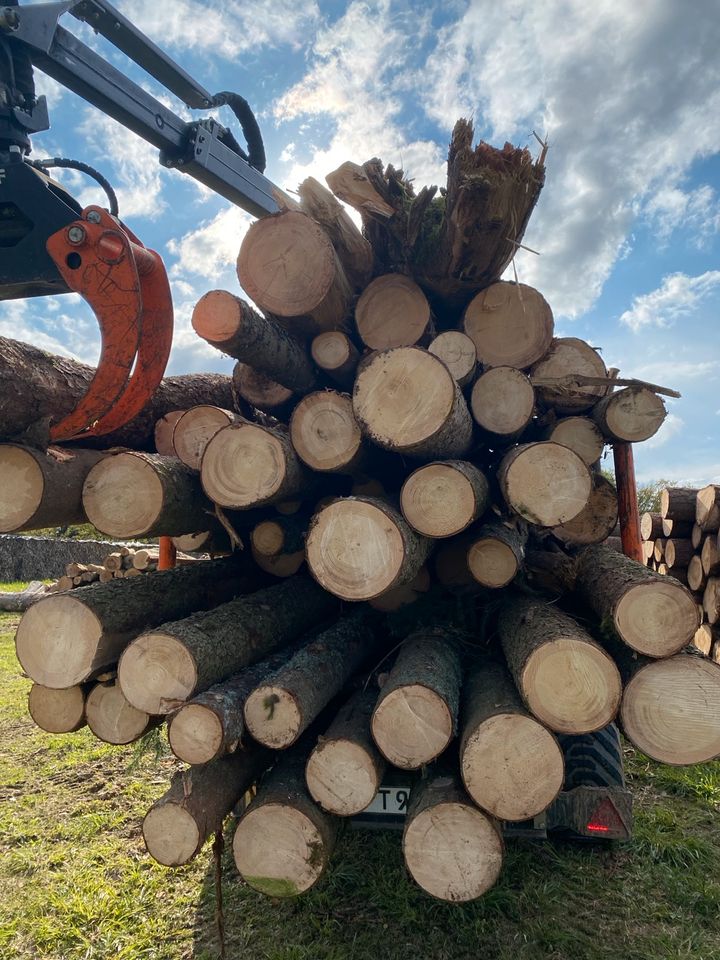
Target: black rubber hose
x=251, y=131
x=83, y=168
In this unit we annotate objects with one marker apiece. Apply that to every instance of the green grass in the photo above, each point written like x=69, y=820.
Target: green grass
x=76, y=884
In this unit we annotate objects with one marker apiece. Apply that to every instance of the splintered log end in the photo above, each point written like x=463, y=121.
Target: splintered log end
x=350, y=183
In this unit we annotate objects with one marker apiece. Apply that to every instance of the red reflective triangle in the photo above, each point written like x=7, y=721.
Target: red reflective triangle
x=605, y=819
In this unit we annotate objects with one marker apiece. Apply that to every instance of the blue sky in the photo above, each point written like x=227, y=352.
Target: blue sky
x=628, y=223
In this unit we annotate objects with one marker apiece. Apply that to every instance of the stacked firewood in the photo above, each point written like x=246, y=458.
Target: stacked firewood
x=125, y=562
x=409, y=486
x=683, y=541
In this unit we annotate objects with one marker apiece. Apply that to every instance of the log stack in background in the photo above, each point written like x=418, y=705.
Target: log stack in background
x=409, y=484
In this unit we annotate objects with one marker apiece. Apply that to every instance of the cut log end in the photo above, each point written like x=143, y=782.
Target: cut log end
x=111, y=718
x=502, y=401
x=273, y=716
x=631, y=415
x=512, y=766
x=392, y=312
x=244, y=465
x=582, y=435
x=157, y=673
x=171, y=834
x=342, y=777
x=195, y=429
x=123, y=496
x=217, y=316
x=57, y=711
x=457, y=351
x=22, y=488
x=545, y=483
x=492, y=562
x=566, y=357
x=56, y=641
x=195, y=734
x=324, y=432
x=442, y=499
x=411, y=726
x=656, y=617
x=510, y=325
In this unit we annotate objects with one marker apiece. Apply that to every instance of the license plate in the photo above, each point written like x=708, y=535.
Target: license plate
x=390, y=800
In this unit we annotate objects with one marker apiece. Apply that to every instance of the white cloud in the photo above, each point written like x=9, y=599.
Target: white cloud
x=671, y=208
x=678, y=370
x=671, y=427
x=211, y=250
x=676, y=297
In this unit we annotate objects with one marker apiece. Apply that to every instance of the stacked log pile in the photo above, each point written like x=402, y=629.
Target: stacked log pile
x=121, y=563
x=683, y=541
x=412, y=496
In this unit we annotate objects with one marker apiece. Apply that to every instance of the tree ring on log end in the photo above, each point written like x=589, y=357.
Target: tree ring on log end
x=566, y=357
x=656, y=617
x=671, y=710
x=279, y=850
x=438, y=500
x=156, y=673
x=355, y=553
x=56, y=641
x=57, y=711
x=582, y=435
x=195, y=734
x=341, y=777
x=411, y=726
x=194, y=430
x=217, y=316
x=111, y=718
x=324, y=431
x=453, y=851
x=392, y=312
x=571, y=686
x=244, y=465
x=123, y=496
x=510, y=324
x=171, y=834
x=502, y=401
x=512, y=766
x=545, y=483
x=491, y=562
x=22, y=488
x=634, y=415
x=273, y=716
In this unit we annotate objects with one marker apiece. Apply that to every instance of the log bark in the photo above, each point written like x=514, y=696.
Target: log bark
x=442, y=499
x=403, y=596
x=18, y=601
x=650, y=526
x=697, y=577
x=261, y=392
x=678, y=553
x=679, y=503
x=630, y=415
x=246, y=465
x=502, y=402
x=697, y=537
x=581, y=434
x=407, y=401
x=511, y=765
x=282, y=565
x=651, y=614
x=195, y=429
x=279, y=535
x=359, y=548
x=392, y=311
x=496, y=553
x=42, y=488
x=350, y=183
x=284, y=705
x=163, y=433
x=165, y=667
x=66, y=638
x=39, y=388
x=416, y=714
x=710, y=556
x=194, y=808
x=58, y=711
x=345, y=769
x=545, y=483
x=596, y=521
x=452, y=850
x=230, y=324
x=289, y=268
x=283, y=840
x=143, y=494
x=565, y=679
x=568, y=357
x=326, y=435
x=457, y=351
x=679, y=529
x=112, y=719
x=707, y=508
x=659, y=550
x=711, y=600
x=510, y=324
x=336, y=355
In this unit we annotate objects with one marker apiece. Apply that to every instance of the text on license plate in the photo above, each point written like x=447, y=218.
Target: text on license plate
x=390, y=800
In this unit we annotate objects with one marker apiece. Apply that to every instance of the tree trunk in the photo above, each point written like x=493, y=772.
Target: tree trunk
x=194, y=808
x=443, y=499
x=58, y=711
x=581, y=434
x=195, y=429
x=544, y=483
x=416, y=714
x=568, y=682
x=283, y=705
x=697, y=537
x=143, y=494
x=352, y=249
x=18, y=601
x=552, y=376
x=361, y=547
x=350, y=183
x=502, y=402
x=651, y=614
x=650, y=526
x=289, y=268
x=511, y=765
x=392, y=312
x=659, y=550
x=710, y=556
x=707, y=508
x=496, y=553
x=280, y=535
x=630, y=415
x=679, y=503
x=696, y=575
x=212, y=723
x=167, y=666
x=231, y=325
x=457, y=351
x=452, y=850
x=705, y=636
x=678, y=553
x=112, y=719
x=42, y=489
x=246, y=465
x=596, y=521
x=325, y=434
x=67, y=638
x=510, y=324
x=261, y=392
x=164, y=433
x=39, y=388
x=406, y=401
x=337, y=356
x=283, y=840
x=711, y=600
x=345, y=770
x=679, y=529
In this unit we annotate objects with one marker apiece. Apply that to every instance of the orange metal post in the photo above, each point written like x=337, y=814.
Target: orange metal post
x=628, y=513
x=168, y=554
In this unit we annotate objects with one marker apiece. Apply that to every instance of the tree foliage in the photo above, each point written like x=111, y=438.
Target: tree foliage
x=648, y=493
